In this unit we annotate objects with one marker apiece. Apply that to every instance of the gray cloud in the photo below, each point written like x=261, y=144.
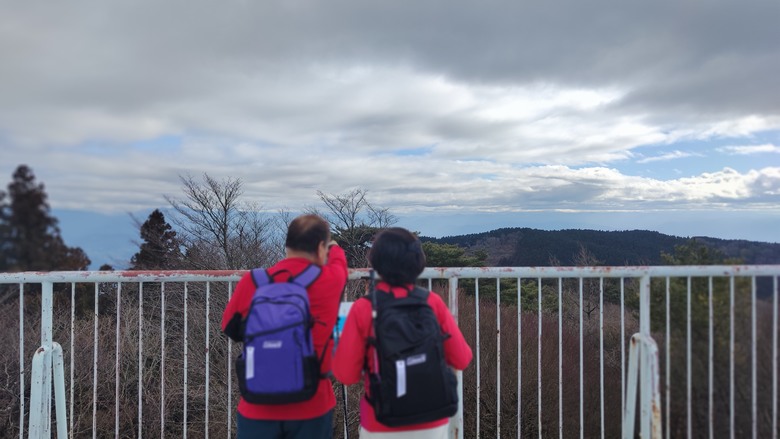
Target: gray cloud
x=519, y=105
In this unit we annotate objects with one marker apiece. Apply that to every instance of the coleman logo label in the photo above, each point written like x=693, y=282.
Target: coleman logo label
x=417, y=359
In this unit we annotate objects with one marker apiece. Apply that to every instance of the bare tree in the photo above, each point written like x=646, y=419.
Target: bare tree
x=591, y=288
x=354, y=221
x=281, y=222
x=220, y=231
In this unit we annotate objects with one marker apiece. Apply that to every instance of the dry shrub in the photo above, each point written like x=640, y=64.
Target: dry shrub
x=719, y=410
x=568, y=373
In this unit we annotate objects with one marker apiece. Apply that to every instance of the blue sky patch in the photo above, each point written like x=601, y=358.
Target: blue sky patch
x=169, y=143
x=693, y=157
x=421, y=151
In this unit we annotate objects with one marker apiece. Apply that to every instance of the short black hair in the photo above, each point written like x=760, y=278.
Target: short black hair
x=397, y=255
x=306, y=232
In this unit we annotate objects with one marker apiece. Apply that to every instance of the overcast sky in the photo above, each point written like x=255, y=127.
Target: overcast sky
x=454, y=114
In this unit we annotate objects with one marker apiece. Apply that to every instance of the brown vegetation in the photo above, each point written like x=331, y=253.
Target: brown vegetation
x=483, y=416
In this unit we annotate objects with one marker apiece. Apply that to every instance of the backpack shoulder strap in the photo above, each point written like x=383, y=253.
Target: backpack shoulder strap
x=376, y=296
x=416, y=293
x=307, y=276
x=260, y=277
x=420, y=293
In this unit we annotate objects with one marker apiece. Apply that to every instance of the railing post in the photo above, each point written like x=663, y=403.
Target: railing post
x=42, y=385
x=47, y=361
x=38, y=382
x=456, y=422
x=629, y=415
x=643, y=361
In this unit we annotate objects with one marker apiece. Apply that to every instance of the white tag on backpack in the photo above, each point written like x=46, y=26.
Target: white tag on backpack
x=400, y=378
x=250, y=362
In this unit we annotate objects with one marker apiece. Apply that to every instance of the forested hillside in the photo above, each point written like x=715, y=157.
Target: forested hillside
x=532, y=247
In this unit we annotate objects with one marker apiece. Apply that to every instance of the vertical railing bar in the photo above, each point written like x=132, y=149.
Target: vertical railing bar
x=230, y=376
x=753, y=354
x=162, y=360
x=58, y=365
x=629, y=417
x=72, y=345
x=582, y=394
x=519, y=357
x=774, y=357
x=622, y=356
x=668, y=371
x=710, y=363
x=539, y=354
x=140, y=356
x=186, y=342
x=582, y=377
x=47, y=341
x=476, y=307
x=94, y=366
x=498, y=357
x=116, y=358
x=645, y=372
x=560, y=358
x=731, y=357
x=601, y=351
x=688, y=360
x=21, y=361
x=208, y=349
x=456, y=423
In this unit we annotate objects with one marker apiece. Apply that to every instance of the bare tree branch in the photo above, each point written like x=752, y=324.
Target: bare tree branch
x=219, y=230
x=354, y=222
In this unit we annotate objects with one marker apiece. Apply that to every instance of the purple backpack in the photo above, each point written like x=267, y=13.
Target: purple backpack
x=278, y=364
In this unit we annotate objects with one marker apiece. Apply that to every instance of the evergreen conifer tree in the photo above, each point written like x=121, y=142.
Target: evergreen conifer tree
x=29, y=236
x=160, y=249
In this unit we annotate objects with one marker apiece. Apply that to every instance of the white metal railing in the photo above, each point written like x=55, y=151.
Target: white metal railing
x=47, y=360
x=643, y=351
x=183, y=374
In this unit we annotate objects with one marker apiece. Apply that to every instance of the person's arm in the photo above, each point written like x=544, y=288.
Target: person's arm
x=238, y=307
x=456, y=350
x=336, y=266
x=351, y=350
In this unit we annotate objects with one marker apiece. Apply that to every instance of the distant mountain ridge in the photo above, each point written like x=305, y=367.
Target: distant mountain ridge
x=524, y=247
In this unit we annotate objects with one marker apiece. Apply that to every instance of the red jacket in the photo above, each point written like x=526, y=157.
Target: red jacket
x=324, y=296
x=353, y=349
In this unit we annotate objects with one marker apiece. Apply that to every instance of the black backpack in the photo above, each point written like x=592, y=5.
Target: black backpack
x=411, y=382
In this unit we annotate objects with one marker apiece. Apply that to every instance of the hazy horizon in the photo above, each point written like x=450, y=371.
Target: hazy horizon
x=113, y=239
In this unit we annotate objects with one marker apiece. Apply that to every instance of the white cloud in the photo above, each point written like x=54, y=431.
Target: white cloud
x=750, y=149
x=289, y=177
x=673, y=155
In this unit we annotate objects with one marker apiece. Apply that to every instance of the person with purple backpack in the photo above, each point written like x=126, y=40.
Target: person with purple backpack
x=284, y=316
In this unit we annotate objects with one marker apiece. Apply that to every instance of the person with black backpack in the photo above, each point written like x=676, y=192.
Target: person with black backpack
x=284, y=317
x=404, y=343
